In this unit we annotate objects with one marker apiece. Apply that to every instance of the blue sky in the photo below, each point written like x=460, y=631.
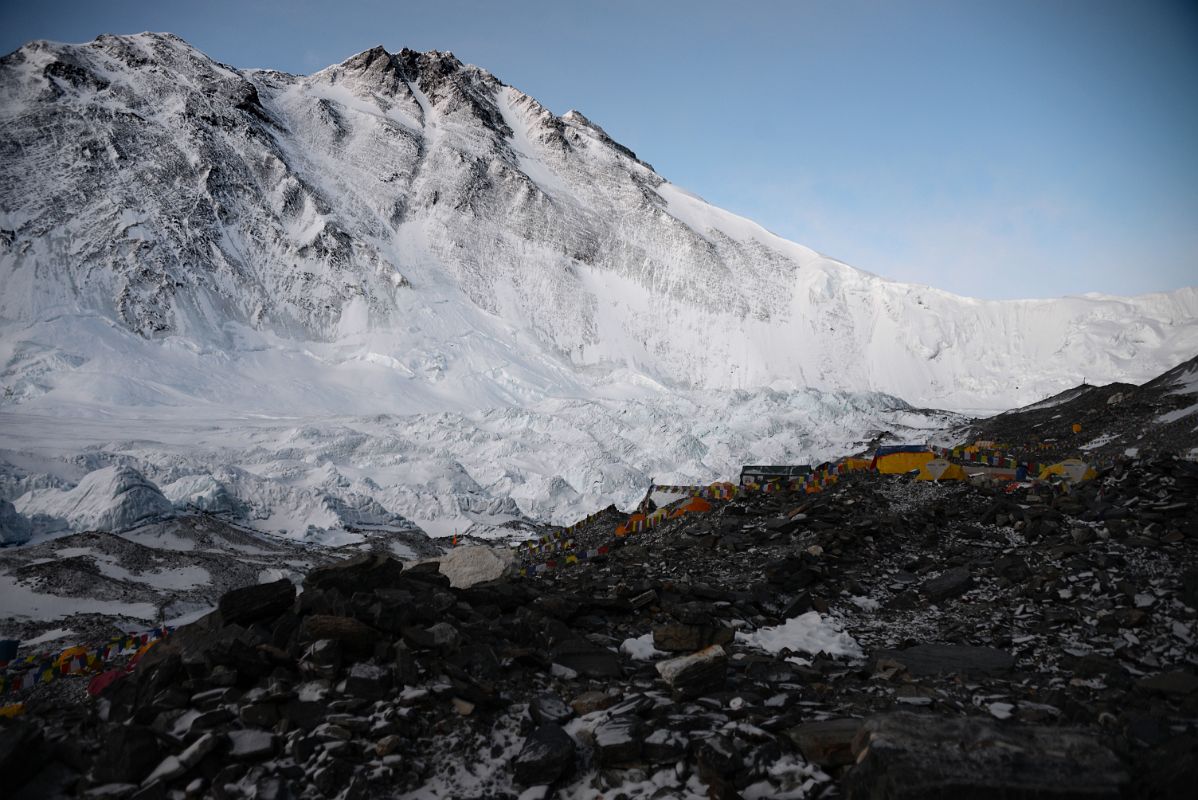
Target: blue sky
x=994, y=149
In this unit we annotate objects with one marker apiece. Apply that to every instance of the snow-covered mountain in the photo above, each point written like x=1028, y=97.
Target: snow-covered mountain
x=541, y=319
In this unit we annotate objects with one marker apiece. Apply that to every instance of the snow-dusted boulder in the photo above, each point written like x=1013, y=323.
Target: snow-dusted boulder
x=466, y=566
x=110, y=499
x=14, y=528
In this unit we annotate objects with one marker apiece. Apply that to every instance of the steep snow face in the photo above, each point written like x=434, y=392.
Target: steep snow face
x=402, y=232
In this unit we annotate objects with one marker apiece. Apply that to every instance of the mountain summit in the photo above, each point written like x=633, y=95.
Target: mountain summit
x=413, y=214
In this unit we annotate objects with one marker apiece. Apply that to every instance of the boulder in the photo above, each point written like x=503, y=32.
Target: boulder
x=548, y=707
x=254, y=603
x=587, y=659
x=362, y=573
x=466, y=566
x=547, y=754
x=618, y=741
x=695, y=674
x=368, y=681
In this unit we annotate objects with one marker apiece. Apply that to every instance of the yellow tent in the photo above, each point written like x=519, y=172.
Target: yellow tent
x=940, y=470
x=853, y=464
x=897, y=460
x=1071, y=469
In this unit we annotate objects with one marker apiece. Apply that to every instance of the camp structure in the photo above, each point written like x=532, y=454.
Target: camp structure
x=757, y=475
x=1071, y=469
x=852, y=464
x=897, y=459
x=938, y=469
x=695, y=505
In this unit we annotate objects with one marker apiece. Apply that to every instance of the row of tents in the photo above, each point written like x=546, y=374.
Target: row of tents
x=924, y=462
x=930, y=465
x=902, y=459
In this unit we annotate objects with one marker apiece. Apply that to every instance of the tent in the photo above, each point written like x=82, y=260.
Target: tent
x=1071, y=469
x=902, y=458
x=759, y=475
x=940, y=470
x=696, y=505
x=853, y=464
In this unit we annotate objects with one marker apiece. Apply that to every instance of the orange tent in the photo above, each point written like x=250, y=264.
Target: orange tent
x=696, y=505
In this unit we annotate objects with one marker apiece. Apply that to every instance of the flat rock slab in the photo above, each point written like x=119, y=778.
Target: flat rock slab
x=828, y=743
x=947, y=659
x=950, y=583
x=906, y=756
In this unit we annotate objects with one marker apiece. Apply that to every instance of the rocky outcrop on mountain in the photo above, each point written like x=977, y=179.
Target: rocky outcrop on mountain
x=826, y=660
x=1113, y=420
x=14, y=528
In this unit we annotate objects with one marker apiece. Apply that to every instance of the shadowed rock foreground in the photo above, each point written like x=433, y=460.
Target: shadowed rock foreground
x=881, y=639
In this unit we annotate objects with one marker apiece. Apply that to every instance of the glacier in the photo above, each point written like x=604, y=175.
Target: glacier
x=399, y=291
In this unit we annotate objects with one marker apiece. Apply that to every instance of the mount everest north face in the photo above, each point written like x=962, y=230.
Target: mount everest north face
x=398, y=290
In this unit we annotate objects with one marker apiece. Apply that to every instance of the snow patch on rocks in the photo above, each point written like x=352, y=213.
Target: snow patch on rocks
x=806, y=633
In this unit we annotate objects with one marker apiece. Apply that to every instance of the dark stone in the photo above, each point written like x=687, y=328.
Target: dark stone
x=548, y=754
x=588, y=702
x=253, y=603
x=407, y=672
x=252, y=745
x=950, y=583
x=719, y=757
x=441, y=636
x=128, y=754
x=905, y=756
x=1177, y=683
x=664, y=746
x=828, y=743
x=304, y=714
x=368, y=681
x=362, y=573
x=643, y=600
x=687, y=638
x=548, y=707
x=587, y=659
x=333, y=778
x=696, y=674
x=618, y=741
x=353, y=634
x=324, y=658
x=943, y=659
x=259, y=715
x=1171, y=769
